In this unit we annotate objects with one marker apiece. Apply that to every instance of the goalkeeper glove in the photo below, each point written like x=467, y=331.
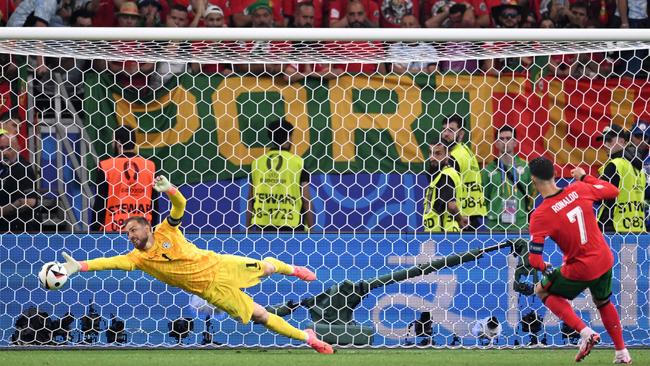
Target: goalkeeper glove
x=548, y=271
x=71, y=265
x=161, y=184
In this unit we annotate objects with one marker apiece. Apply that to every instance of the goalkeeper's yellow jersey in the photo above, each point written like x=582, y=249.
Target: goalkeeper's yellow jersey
x=172, y=259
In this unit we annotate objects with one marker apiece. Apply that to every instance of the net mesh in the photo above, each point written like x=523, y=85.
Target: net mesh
x=363, y=116
x=304, y=51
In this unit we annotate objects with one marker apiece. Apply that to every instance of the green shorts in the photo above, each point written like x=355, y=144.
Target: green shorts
x=556, y=284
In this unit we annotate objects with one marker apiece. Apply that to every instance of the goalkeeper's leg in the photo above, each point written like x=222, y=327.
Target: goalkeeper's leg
x=277, y=266
x=280, y=326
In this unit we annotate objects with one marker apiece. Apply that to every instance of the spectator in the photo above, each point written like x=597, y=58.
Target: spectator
x=507, y=185
x=150, y=13
x=555, y=10
x=291, y=9
x=261, y=17
x=508, y=15
x=279, y=197
x=463, y=159
x=400, y=49
x=392, y=12
x=33, y=13
x=198, y=12
x=81, y=18
x=365, y=16
x=131, y=73
x=62, y=16
x=75, y=67
x=356, y=18
x=242, y=12
x=632, y=14
x=626, y=213
x=179, y=16
x=530, y=21
x=129, y=15
x=212, y=18
x=18, y=195
x=304, y=18
x=441, y=209
x=6, y=8
x=480, y=10
x=452, y=15
x=579, y=17
x=124, y=185
x=547, y=23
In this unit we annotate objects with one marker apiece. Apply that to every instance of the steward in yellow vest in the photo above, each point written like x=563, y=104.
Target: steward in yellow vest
x=441, y=212
x=279, y=197
x=471, y=199
x=625, y=214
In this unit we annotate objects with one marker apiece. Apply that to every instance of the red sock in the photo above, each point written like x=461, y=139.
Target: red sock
x=612, y=323
x=561, y=307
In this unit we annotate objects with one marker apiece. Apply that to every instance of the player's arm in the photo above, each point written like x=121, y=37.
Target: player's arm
x=121, y=262
x=599, y=188
x=538, y=235
x=161, y=184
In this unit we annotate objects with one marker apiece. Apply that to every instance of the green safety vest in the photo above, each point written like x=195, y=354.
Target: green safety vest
x=472, y=202
x=275, y=177
x=431, y=220
x=628, y=211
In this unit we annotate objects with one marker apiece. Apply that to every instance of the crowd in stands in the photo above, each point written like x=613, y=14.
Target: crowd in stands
x=333, y=13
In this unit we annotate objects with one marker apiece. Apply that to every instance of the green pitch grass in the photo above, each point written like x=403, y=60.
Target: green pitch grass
x=181, y=357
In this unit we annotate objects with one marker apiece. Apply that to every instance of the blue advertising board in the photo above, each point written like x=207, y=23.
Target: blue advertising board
x=456, y=297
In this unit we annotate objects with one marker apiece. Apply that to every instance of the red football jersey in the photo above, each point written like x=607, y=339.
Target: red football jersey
x=569, y=219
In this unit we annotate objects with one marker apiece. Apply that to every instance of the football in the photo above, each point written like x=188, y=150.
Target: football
x=52, y=276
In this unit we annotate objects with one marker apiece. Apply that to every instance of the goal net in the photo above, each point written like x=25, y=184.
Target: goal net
x=364, y=110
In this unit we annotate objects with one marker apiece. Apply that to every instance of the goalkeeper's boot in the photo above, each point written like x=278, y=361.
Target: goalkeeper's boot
x=586, y=344
x=303, y=273
x=317, y=344
x=623, y=357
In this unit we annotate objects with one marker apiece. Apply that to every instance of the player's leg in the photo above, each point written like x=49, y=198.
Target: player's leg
x=601, y=291
x=281, y=326
x=274, y=265
x=554, y=290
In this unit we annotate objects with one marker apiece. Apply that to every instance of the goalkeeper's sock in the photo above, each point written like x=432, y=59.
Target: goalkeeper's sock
x=280, y=326
x=561, y=307
x=612, y=323
x=280, y=267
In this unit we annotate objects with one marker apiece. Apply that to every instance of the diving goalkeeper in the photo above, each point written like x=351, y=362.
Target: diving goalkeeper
x=165, y=254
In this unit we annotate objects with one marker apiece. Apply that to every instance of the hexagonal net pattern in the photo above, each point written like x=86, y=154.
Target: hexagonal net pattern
x=396, y=171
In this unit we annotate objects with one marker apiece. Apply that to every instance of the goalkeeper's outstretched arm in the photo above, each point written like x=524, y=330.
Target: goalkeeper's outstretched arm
x=98, y=264
x=161, y=184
